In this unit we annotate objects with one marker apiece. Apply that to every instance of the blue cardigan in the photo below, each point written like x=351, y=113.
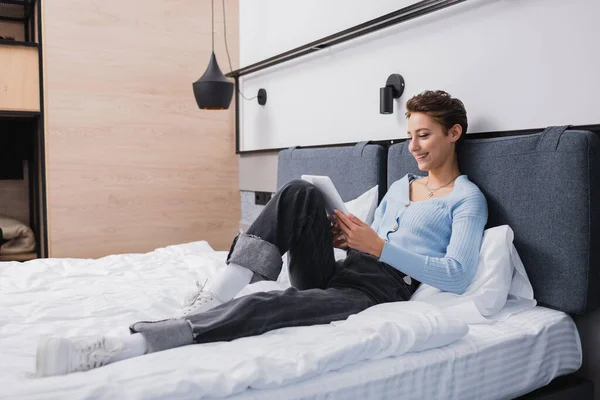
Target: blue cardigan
x=436, y=241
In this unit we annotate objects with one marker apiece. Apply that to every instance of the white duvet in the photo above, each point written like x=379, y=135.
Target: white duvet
x=83, y=297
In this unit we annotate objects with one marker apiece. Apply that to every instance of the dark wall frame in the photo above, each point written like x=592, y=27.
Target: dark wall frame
x=404, y=14
x=415, y=10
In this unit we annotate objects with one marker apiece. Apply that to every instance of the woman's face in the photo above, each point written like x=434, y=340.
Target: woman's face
x=429, y=144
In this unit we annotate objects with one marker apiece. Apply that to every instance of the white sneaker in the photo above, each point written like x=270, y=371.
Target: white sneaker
x=202, y=300
x=59, y=356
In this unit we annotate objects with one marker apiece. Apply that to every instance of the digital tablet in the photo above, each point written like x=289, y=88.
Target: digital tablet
x=333, y=200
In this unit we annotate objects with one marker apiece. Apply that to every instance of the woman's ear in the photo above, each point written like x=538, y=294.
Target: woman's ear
x=455, y=133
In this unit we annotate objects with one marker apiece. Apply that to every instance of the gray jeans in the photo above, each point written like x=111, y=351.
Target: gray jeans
x=322, y=291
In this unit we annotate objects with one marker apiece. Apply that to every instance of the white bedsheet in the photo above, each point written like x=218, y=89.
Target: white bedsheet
x=80, y=297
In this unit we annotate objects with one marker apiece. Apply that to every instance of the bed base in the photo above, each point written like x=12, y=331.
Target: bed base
x=568, y=387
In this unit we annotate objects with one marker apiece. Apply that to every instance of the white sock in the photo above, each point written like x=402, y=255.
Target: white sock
x=133, y=345
x=229, y=281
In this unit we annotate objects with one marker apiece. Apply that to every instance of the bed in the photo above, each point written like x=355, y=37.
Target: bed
x=512, y=353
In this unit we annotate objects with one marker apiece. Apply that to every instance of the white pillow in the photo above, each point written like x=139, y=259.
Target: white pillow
x=494, y=273
x=363, y=207
x=499, y=273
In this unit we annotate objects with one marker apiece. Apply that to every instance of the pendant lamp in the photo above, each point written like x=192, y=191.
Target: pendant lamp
x=213, y=91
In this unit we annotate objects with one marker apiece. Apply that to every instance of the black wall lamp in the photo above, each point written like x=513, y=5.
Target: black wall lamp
x=262, y=97
x=394, y=87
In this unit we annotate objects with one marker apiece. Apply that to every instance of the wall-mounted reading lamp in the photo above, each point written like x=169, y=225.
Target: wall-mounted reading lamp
x=394, y=87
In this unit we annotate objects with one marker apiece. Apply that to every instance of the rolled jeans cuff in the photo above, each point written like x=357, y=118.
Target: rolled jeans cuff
x=259, y=256
x=164, y=335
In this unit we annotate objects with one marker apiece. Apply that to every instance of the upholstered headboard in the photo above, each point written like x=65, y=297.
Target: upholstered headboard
x=353, y=169
x=546, y=187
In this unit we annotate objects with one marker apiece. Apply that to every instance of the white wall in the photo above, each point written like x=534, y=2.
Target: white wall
x=515, y=63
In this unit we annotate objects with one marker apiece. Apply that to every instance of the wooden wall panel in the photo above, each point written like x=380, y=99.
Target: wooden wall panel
x=132, y=164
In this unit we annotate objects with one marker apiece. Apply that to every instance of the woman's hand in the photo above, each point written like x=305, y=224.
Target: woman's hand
x=339, y=240
x=359, y=235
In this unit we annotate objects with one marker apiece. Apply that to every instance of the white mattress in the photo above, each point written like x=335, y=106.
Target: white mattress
x=499, y=361
x=79, y=297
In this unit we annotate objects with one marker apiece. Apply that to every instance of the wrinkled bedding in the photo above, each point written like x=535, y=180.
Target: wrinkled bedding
x=85, y=296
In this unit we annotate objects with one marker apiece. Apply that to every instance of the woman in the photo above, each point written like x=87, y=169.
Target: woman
x=426, y=229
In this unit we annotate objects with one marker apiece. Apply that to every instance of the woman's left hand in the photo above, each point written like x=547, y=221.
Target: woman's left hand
x=359, y=235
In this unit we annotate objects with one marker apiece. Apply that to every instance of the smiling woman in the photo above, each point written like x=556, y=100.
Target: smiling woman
x=437, y=242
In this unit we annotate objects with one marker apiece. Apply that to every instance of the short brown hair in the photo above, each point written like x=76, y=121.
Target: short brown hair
x=440, y=106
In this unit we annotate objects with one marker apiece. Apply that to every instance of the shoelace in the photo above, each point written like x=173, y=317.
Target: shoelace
x=198, y=297
x=92, y=355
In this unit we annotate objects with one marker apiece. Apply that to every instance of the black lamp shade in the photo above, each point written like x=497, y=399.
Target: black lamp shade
x=386, y=100
x=213, y=91
x=394, y=87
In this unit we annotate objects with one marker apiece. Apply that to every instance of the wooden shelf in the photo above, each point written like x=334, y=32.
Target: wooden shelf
x=11, y=114
x=17, y=43
x=19, y=257
x=19, y=78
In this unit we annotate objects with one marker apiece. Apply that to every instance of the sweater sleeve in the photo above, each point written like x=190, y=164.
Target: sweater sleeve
x=453, y=272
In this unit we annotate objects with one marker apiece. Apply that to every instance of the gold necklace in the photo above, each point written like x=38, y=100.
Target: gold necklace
x=432, y=191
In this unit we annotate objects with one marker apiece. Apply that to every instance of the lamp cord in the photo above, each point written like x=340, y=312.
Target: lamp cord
x=212, y=27
x=227, y=49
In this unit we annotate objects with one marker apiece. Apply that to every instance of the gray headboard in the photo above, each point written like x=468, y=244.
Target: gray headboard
x=546, y=187
x=353, y=169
